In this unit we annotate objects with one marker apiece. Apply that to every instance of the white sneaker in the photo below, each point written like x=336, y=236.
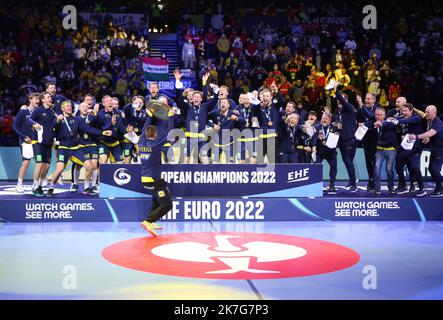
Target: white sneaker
x=60, y=181
x=44, y=183
x=19, y=189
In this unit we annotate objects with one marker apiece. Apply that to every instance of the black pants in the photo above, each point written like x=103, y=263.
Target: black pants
x=370, y=147
x=410, y=158
x=347, y=150
x=161, y=199
x=331, y=158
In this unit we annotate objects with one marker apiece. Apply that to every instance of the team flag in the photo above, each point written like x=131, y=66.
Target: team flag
x=155, y=69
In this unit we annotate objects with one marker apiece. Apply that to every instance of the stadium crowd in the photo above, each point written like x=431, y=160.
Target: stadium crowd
x=296, y=86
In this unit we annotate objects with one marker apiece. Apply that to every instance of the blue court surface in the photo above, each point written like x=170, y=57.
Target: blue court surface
x=208, y=260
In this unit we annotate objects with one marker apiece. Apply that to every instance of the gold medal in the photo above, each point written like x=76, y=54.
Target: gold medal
x=85, y=135
x=135, y=129
x=270, y=124
x=339, y=125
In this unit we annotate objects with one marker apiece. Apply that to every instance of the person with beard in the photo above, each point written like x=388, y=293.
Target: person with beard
x=323, y=152
x=267, y=113
x=223, y=120
x=247, y=143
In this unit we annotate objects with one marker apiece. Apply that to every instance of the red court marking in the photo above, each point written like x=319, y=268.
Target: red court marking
x=259, y=252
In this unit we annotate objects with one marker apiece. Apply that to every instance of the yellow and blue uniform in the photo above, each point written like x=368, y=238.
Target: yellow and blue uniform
x=137, y=120
x=150, y=157
x=21, y=127
x=46, y=117
x=110, y=146
x=66, y=132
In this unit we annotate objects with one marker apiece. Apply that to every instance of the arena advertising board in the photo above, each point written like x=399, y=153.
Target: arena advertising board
x=223, y=209
x=193, y=180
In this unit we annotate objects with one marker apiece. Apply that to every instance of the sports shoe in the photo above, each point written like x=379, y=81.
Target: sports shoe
x=412, y=187
x=377, y=192
x=19, y=189
x=331, y=189
x=392, y=191
x=149, y=226
x=353, y=189
x=45, y=183
x=89, y=192
x=50, y=192
x=421, y=193
x=156, y=226
x=38, y=192
x=370, y=186
x=60, y=181
x=73, y=188
x=95, y=189
x=402, y=190
x=437, y=193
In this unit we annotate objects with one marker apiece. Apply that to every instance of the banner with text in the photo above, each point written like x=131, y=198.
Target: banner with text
x=194, y=180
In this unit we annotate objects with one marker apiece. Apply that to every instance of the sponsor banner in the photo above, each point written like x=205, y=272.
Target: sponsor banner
x=155, y=69
x=193, y=180
x=119, y=19
x=54, y=210
x=229, y=209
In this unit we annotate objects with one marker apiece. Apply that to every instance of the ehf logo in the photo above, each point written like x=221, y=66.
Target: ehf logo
x=121, y=177
x=299, y=175
x=231, y=255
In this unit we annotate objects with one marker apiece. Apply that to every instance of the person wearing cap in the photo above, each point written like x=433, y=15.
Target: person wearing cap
x=67, y=128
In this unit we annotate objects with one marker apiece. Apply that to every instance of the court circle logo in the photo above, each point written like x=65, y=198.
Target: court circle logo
x=231, y=255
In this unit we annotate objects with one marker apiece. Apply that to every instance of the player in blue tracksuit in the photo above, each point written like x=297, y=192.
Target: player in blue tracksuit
x=268, y=115
x=409, y=123
x=150, y=146
x=67, y=128
x=223, y=120
x=24, y=131
x=290, y=137
x=247, y=142
x=322, y=151
x=385, y=151
x=195, y=120
x=42, y=118
x=89, y=147
x=366, y=113
x=154, y=94
x=135, y=118
x=433, y=139
x=346, y=122
x=57, y=99
x=110, y=119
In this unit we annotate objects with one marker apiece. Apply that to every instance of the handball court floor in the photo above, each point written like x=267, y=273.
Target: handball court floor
x=67, y=261
x=105, y=260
